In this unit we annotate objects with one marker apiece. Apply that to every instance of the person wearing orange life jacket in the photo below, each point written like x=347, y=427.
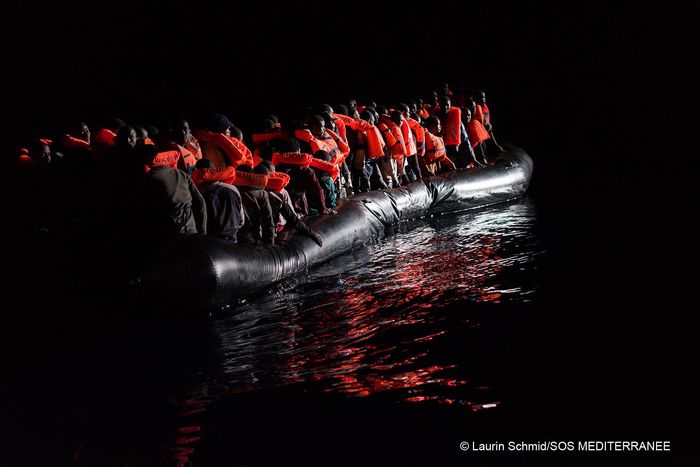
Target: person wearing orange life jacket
x=37, y=186
x=259, y=226
x=435, y=159
x=414, y=135
x=453, y=132
x=483, y=115
x=322, y=139
x=324, y=173
x=477, y=136
x=367, y=145
x=344, y=182
x=224, y=206
x=219, y=146
x=304, y=189
x=283, y=209
x=170, y=204
x=178, y=137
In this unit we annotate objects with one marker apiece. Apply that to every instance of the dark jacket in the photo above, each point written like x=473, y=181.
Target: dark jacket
x=171, y=203
x=224, y=210
x=259, y=225
x=280, y=207
x=304, y=189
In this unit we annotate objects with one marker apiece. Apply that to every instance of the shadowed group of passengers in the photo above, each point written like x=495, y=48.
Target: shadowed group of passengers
x=170, y=180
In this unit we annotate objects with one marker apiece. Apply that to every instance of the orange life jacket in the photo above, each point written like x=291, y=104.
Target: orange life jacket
x=293, y=158
x=356, y=124
x=75, y=143
x=328, y=167
x=329, y=142
x=419, y=133
x=451, y=127
x=259, y=138
x=236, y=152
x=477, y=133
x=166, y=158
x=408, y=137
x=375, y=142
x=392, y=132
x=250, y=179
x=423, y=113
x=478, y=114
x=434, y=147
x=214, y=174
x=340, y=125
x=104, y=136
x=276, y=181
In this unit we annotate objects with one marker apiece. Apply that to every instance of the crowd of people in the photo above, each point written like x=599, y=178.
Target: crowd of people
x=212, y=179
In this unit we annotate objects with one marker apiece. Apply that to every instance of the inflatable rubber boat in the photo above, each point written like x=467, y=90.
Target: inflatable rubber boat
x=206, y=271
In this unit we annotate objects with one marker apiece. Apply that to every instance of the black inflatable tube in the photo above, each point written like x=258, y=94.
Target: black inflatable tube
x=208, y=272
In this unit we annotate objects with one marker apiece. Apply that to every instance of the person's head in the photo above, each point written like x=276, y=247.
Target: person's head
x=274, y=118
x=126, y=137
x=204, y=164
x=219, y=123
x=353, y=113
x=419, y=102
x=270, y=166
x=325, y=108
x=382, y=110
x=317, y=125
x=413, y=106
x=153, y=132
x=367, y=116
x=328, y=121
x=322, y=155
x=375, y=114
x=141, y=133
x=267, y=125
x=40, y=151
x=236, y=132
x=405, y=110
x=470, y=104
x=443, y=89
x=396, y=117
x=342, y=109
x=79, y=130
x=114, y=124
x=479, y=96
x=434, y=98
x=433, y=125
x=144, y=152
x=352, y=103
x=261, y=169
x=371, y=103
x=466, y=115
x=265, y=152
x=180, y=131
x=244, y=168
x=287, y=145
x=445, y=104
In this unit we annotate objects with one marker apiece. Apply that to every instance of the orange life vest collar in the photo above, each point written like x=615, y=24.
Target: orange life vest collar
x=293, y=158
x=276, y=181
x=250, y=180
x=328, y=167
x=105, y=136
x=224, y=174
x=165, y=159
x=75, y=143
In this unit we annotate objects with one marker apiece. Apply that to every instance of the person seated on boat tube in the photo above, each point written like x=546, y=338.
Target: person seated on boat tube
x=224, y=206
x=304, y=188
x=344, y=180
x=282, y=208
x=477, y=135
x=178, y=136
x=482, y=114
x=324, y=176
x=258, y=224
x=435, y=159
x=169, y=201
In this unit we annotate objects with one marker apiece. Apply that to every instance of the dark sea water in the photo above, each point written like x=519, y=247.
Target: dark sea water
x=477, y=326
